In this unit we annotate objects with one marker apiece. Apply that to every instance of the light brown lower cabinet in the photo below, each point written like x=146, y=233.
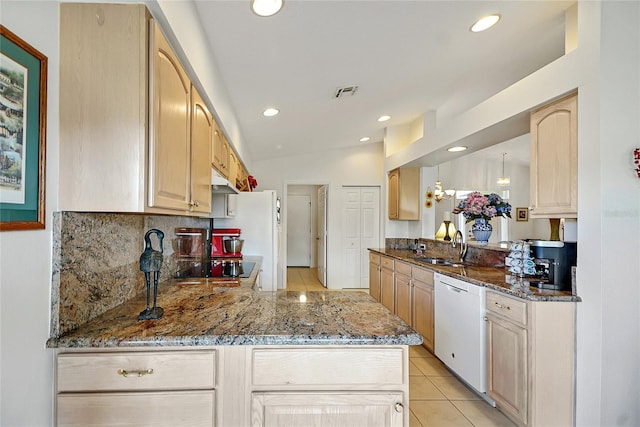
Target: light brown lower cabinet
x=387, y=293
x=406, y=290
x=376, y=409
x=374, y=276
x=402, y=288
x=422, y=304
x=234, y=385
x=530, y=359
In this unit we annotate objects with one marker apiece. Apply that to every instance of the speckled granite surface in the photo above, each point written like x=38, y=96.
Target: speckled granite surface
x=496, y=278
x=98, y=292
x=96, y=262
x=203, y=315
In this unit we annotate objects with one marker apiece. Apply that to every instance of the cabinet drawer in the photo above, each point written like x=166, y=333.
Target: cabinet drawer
x=403, y=268
x=386, y=262
x=374, y=258
x=422, y=275
x=138, y=409
x=132, y=371
x=327, y=366
x=509, y=308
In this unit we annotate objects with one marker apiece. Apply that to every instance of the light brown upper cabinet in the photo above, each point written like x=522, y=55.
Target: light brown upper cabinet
x=554, y=159
x=169, y=154
x=132, y=136
x=202, y=126
x=404, y=193
x=233, y=168
x=220, y=159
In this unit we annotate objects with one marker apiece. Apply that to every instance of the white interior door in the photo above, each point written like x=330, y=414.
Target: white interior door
x=360, y=230
x=350, y=237
x=322, y=234
x=298, y=231
x=369, y=228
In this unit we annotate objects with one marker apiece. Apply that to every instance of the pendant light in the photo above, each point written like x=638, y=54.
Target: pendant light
x=503, y=181
x=439, y=193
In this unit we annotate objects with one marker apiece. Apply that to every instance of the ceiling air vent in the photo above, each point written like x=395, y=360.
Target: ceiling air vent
x=345, y=91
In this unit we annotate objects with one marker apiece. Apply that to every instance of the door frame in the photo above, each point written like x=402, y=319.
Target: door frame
x=283, y=249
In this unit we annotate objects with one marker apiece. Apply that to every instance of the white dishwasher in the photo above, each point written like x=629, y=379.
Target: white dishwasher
x=460, y=329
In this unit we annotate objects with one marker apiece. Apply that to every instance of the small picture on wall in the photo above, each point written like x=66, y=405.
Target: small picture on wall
x=522, y=214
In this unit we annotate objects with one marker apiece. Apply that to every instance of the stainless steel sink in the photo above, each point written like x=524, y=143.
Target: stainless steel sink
x=440, y=261
x=431, y=260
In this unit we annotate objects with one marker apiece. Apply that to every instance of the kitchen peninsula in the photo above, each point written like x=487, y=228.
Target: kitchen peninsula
x=237, y=356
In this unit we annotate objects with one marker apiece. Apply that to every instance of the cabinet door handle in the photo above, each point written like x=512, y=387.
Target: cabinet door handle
x=194, y=203
x=136, y=372
x=506, y=307
x=399, y=407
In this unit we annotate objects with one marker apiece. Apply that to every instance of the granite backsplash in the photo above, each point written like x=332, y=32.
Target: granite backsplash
x=482, y=255
x=96, y=262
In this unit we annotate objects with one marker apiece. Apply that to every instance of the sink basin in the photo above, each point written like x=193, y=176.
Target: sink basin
x=431, y=260
x=440, y=261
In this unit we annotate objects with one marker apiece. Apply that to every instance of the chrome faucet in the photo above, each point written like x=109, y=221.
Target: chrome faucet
x=458, y=239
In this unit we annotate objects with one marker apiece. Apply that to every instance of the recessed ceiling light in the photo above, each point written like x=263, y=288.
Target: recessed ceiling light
x=383, y=118
x=485, y=22
x=266, y=7
x=270, y=112
x=364, y=139
x=456, y=149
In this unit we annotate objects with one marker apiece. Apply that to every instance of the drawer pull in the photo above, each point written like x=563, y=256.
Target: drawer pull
x=506, y=307
x=138, y=373
x=399, y=407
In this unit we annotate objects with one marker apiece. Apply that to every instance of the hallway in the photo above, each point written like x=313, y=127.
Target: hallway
x=437, y=398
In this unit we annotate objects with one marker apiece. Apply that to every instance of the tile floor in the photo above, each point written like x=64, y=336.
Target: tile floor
x=436, y=397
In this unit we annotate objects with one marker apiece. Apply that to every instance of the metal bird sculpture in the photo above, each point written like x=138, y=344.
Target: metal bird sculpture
x=151, y=262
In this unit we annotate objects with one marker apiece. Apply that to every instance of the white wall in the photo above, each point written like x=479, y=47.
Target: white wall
x=361, y=165
x=609, y=221
x=26, y=366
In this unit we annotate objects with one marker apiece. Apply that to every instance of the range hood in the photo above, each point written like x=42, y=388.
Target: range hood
x=220, y=184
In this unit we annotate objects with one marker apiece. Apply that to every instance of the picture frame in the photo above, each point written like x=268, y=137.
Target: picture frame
x=23, y=114
x=522, y=214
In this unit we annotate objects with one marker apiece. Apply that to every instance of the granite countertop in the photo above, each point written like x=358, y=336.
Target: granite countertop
x=206, y=315
x=495, y=278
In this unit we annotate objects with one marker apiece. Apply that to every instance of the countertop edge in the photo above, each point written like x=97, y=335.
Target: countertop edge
x=233, y=340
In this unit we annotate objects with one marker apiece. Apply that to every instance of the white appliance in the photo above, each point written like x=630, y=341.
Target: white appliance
x=255, y=215
x=460, y=329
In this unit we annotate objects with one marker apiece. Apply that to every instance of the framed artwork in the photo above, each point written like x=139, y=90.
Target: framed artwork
x=23, y=109
x=522, y=214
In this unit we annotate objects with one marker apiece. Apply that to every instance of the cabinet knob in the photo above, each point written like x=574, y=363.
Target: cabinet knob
x=486, y=319
x=194, y=204
x=399, y=407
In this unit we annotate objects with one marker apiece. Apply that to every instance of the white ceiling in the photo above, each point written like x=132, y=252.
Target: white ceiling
x=408, y=57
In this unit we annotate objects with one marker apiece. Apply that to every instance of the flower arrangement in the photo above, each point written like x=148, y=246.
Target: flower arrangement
x=478, y=206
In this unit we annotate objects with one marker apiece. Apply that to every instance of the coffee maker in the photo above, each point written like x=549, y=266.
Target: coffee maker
x=553, y=260
x=226, y=253
x=189, y=249
x=226, y=250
